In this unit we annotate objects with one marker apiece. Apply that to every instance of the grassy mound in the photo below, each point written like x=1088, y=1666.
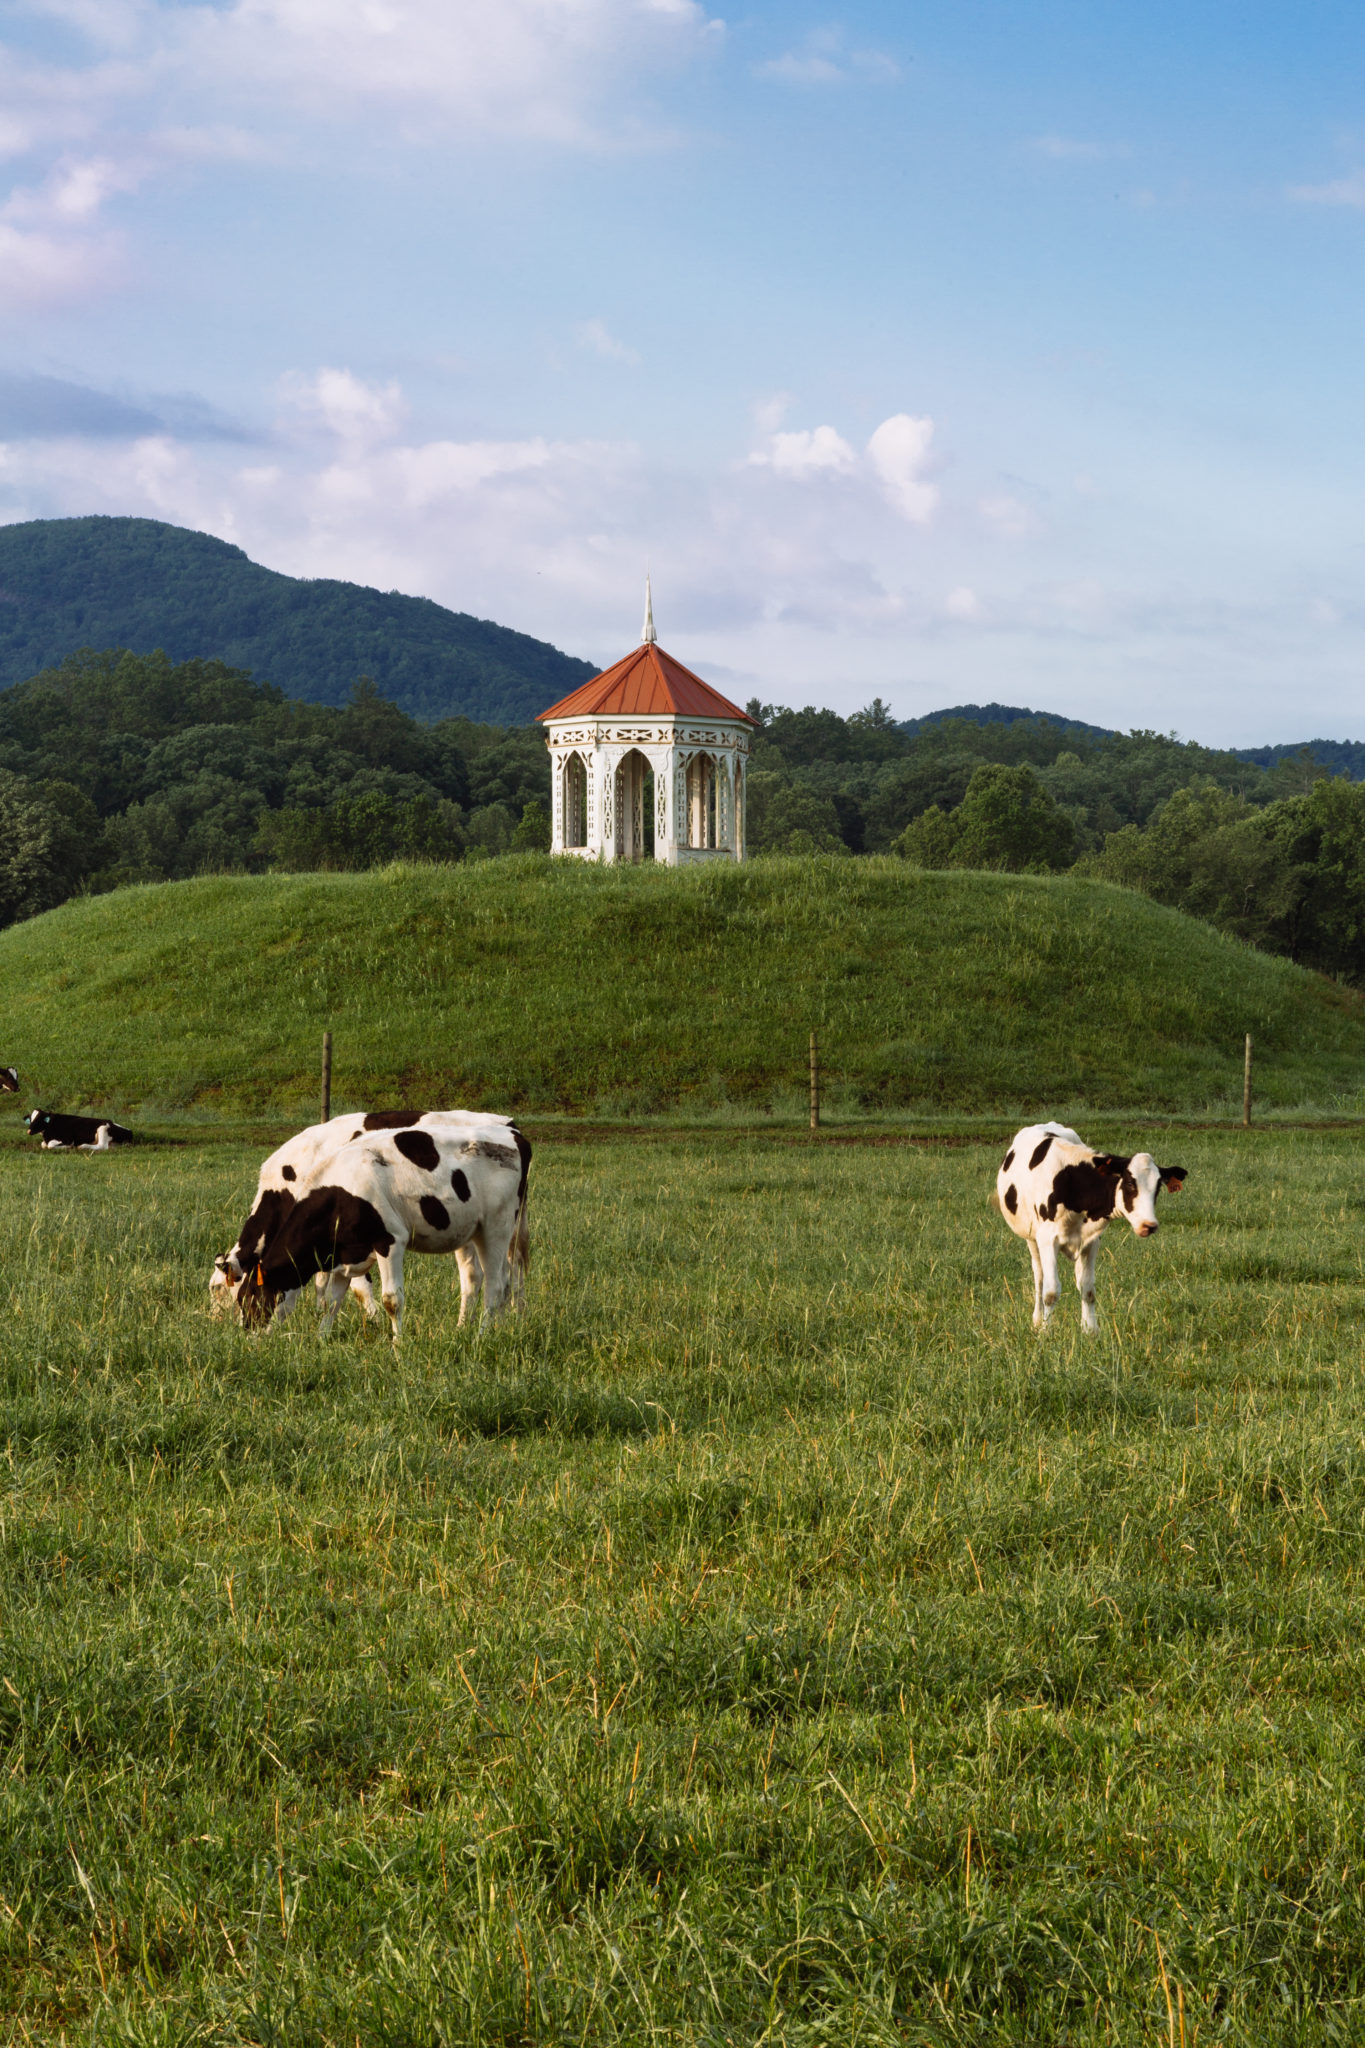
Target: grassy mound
x=555, y=986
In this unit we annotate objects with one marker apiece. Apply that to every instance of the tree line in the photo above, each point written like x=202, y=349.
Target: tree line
x=118, y=768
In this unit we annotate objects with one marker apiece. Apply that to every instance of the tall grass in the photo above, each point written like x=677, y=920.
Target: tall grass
x=767, y=1638
x=560, y=987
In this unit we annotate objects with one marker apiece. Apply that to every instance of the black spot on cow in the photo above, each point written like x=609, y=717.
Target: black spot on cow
x=288, y=1173
x=435, y=1213
x=1087, y=1188
x=330, y=1227
x=460, y=1184
x=420, y=1148
x=1011, y=1198
x=392, y=1119
x=1040, y=1152
x=264, y=1221
x=1008, y=1160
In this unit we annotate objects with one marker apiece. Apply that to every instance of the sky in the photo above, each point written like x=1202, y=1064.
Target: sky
x=1001, y=350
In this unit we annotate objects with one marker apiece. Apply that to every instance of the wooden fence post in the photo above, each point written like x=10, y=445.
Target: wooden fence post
x=326, y=1077
x=1246, y=1088
x=814, y=1084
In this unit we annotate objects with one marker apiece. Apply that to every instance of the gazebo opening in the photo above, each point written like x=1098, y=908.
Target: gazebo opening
x=703, y=802
x=575, y=801
x=634, y=807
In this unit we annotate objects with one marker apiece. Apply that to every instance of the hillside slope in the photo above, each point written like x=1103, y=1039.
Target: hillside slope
x=104, y=582
x=554, y=986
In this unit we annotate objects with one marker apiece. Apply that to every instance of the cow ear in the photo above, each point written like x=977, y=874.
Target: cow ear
x=1172, y=1177
x=1110, y=1164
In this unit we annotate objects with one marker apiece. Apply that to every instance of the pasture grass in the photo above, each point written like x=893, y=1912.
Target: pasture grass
x=764, y=1639
x=556, y=987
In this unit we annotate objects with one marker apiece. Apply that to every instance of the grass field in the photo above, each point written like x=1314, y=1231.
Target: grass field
x=559, y=987
x=767, y=1638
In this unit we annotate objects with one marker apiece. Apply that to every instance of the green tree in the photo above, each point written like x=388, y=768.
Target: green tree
x=1006, y=820
x=533, y=833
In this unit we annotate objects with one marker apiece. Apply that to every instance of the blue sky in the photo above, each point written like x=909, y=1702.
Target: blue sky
x=946, y=353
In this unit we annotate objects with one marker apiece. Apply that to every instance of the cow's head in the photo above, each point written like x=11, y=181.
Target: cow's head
x=37, y=1120
x=9, y=1080
x=1140, y=1180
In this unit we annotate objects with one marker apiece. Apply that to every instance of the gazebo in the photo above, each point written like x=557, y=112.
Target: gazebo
x=648, y=762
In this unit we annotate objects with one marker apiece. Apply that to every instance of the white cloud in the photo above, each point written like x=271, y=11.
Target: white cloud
x=356, y=412
x=769, y=412
x=817, y=451
x=40, y=269
x=899, y=451
x=963, y=604
x=597, y=337
x=1347, y=191
x=823, y=58
x=1009, y=516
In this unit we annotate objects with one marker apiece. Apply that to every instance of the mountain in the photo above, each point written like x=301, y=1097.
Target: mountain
x=1003, y=714
x=137, y=583
x=1338, y=757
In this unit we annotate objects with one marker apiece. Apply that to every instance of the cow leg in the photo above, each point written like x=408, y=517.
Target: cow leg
x=391, y=1288
x=1047, y=1259
x=1085, y=1286
x=333, y=1294
x=496, y=1246
x=471, y=1277
x=1037, y=1285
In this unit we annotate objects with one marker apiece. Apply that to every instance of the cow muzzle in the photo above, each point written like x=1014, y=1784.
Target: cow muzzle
x=1147, y=1229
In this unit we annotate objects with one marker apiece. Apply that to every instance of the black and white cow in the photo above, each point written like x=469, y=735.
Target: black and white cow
x=71, y=1133
x=9, y=1080
x=449, y=1184
x=294, y=1165
x=1058, y=1194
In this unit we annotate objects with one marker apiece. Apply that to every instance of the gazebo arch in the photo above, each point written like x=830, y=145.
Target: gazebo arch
x=648, y=717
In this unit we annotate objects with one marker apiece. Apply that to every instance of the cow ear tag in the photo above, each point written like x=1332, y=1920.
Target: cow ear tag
x=260, y=1277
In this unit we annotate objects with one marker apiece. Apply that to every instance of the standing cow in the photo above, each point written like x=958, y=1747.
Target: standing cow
x=294, y=1166
x=1058, y=1194
x=453, y=1183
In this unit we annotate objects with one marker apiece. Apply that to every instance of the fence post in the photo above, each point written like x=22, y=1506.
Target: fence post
x=814, y=1084
x=1246, y=1088
x=326, y=1077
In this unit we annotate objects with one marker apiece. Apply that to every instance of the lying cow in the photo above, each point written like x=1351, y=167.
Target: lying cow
x=451, y=1184
x=9, y=1080
x=69, y=1133
x=1055, y=1192
x=294, y=1167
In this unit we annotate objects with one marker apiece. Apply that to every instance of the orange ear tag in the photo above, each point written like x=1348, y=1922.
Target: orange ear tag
x=260, y=1277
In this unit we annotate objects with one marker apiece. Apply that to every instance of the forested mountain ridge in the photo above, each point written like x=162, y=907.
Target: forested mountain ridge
x=67, y=584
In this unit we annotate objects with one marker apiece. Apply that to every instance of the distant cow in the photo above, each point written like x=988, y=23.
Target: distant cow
x=68, y=1133
x=449, y=1184
x=1056, y=1193
x=295, y=1166
x=9, y=1080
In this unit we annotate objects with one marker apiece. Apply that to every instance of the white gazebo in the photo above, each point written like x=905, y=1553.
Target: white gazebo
x=648, y=762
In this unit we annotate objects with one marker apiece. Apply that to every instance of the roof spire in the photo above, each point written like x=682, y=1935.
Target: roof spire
x=648, y=636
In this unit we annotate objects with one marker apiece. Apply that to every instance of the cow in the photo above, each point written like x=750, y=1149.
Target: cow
x=1058, y=1194
x=453, y=1183
x=68, y=1133
x=293, y=1167
x=9, y=1080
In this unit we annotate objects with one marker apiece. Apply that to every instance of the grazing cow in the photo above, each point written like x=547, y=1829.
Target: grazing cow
x=9, y=1080
x=1055, y=1192
x=294, y=1166
x=67, y=1133
x=445, y=1184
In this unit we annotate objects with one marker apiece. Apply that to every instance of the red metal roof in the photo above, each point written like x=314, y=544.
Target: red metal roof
x=647, y=683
